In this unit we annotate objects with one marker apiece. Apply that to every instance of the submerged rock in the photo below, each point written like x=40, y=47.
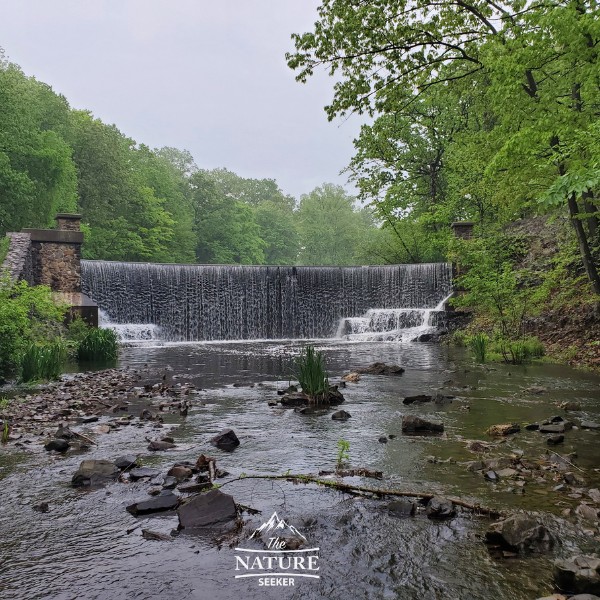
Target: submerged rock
x=142, y=472
x=58, y=445
x=553, y=428
x=520, y=533
x=295, y=399
x=503, y=429
x=341, y=415
x=210, y=508
x=95, y=472
x=127, y=461
x=553, y=440
x=379, y=368
x=180, y=472
x=352, y=377
x=160, y=446
x=415, y=425
x=589, y=425
x=421, y=398
x=402, y=508
x=226, y=440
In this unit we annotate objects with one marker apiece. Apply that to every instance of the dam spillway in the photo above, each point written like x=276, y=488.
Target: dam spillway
x=215, y=302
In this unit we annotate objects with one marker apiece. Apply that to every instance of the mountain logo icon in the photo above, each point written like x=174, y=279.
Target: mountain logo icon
x=277, y=525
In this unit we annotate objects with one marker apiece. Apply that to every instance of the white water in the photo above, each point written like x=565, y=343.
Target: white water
x=393, y=324
x=130, y=332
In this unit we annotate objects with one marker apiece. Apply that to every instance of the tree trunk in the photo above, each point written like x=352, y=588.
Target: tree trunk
x=584, y=248
x=590, y=209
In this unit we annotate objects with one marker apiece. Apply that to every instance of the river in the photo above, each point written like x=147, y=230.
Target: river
x=81, y=548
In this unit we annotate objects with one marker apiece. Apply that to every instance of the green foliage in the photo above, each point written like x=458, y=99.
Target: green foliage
x=5, y=433
x=28, y=315
x=310, y=372
x=4, y=244
x=343, y=453
x=478, y=344
x=98, y=345
x=481, y=111
x=331, y=227
x=43, y=361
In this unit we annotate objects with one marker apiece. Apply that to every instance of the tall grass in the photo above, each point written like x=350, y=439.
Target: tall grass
x=43, y=361
x=100, y=345
x=310, y=372
x=478, y=344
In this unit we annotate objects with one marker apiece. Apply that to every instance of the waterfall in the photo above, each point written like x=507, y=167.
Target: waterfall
x=214, y=302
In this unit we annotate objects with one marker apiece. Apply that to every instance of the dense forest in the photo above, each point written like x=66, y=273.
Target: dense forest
x=140, y=204
x=482, y=111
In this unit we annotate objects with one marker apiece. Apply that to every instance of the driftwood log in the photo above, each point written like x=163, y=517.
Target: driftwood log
x=369, y=491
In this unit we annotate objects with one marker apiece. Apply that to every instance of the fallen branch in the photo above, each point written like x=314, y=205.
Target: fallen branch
x=367, y=491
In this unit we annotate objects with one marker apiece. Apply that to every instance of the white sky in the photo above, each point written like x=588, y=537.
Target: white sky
x=206, y=76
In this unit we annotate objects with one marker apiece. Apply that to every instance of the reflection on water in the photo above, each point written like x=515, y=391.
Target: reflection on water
x=81, y=548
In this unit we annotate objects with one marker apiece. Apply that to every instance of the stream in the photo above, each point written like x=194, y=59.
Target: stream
x=81, y=548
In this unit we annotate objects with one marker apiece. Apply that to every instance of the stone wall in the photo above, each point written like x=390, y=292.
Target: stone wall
x=18, y=261
x=57, y=265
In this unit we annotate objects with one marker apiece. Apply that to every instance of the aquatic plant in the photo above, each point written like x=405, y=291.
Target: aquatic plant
x=43, y=361
x=5, y=433
x=343, y=452
x=478, y=344
x=99, y=344
x=310, y=372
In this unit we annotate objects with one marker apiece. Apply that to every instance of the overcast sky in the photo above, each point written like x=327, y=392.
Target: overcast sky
x=206, y=76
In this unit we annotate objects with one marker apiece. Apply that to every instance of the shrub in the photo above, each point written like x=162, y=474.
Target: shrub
x=28, y=315
x=310, y=372
x=43, y=361
x=99, y=344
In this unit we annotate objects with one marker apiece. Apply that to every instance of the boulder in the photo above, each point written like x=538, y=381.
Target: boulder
x=341, y=415
x=532, y=426
x=417, y=426
x=503, y=429
x=554, y=440
x=57, y=444
x=142, y=472
x=95, y=472
x=127, y=461
x=210, y=508
x=226, y=440
x=379, y=368
x=383, y=440
x=579, y=574
x=440, y=508
x=520, y=533
x=169, y=483
x=160, y=446
x=166, y=500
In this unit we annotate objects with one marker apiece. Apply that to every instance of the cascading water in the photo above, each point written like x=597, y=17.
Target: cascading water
x=397, y=324
x=213, y=302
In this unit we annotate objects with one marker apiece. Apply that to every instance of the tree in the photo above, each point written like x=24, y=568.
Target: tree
x=331, y=230
x=538, y=63
x=226, y=230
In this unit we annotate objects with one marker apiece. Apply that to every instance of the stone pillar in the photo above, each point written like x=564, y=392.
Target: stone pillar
x=56, y=262
x=68, y=222
x=463, y=229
